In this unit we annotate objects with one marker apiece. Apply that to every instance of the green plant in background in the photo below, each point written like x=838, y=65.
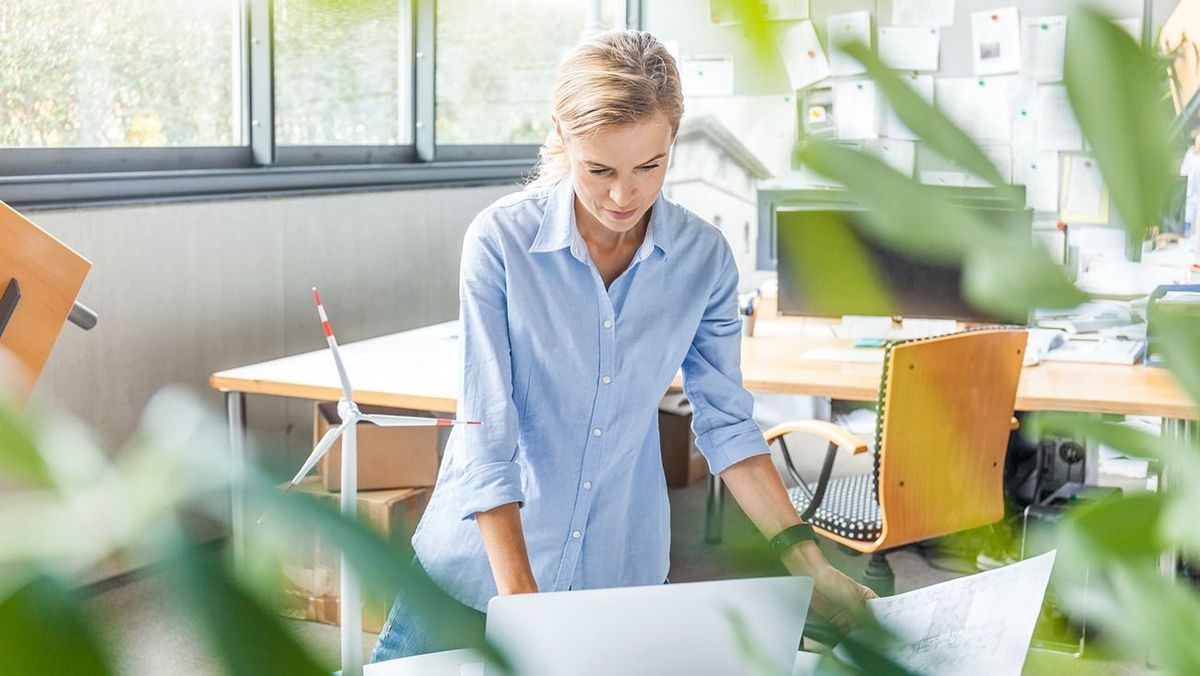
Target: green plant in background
x=67, y=506
x=1118, y=93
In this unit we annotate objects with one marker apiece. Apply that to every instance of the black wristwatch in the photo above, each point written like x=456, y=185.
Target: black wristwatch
x=791, y=536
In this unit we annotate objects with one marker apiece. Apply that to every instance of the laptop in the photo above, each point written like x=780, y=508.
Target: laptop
x=691, y=628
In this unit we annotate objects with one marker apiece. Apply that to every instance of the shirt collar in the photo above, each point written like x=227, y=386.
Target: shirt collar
x=557, y=229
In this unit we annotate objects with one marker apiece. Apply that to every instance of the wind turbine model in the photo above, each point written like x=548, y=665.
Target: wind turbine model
x=351, y=602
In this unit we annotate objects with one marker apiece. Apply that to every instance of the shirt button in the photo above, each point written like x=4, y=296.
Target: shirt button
x=606, y=379
x=596, y=432
x=608, y=323
x=576, y=535
x=587, y=485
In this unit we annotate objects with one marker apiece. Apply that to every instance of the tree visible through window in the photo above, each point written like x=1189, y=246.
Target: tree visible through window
x=110, y=73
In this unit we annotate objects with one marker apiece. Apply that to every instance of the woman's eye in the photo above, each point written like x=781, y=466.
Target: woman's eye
x=649, y=167
x=598, y=172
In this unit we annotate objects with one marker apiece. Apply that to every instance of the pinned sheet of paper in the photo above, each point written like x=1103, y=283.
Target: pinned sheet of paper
x=892, y=126
x=910, y=47
x=1084, y=197
x=844, y=29
x=1057, y=127
x=945, y=178
x=1043, y=47
x=802, y=55
x=979, y=106
x=923, y=12
x=706, y=75
x=996, y=41
x=978, y=624
x=856, y=109
x=1041, y=182
x=899, y=155
x=1001, y=157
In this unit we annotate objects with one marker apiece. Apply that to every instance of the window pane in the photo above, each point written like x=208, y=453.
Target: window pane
x=104, y=73
x=496, y=61
x=342, y=72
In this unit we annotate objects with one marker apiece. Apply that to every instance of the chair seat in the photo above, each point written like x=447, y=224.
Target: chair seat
x=849, y=508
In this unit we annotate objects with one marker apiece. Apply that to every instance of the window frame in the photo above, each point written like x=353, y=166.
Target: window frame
x=64, y=177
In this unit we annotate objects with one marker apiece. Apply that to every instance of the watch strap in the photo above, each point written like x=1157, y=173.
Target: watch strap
x=791, y=536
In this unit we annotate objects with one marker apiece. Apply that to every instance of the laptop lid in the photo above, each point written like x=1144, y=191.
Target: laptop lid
x=691, y=628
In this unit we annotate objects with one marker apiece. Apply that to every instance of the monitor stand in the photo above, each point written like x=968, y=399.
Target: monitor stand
x=862, y=327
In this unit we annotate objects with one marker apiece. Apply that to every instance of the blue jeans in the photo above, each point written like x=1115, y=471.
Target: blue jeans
x=409, y=632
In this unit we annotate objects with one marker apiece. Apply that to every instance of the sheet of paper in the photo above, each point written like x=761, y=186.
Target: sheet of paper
x=1024, y=146
x=910, y=47
x=892, y=126
x=1057, y=127
x=1041, y=182
x=1043, y=46
x=856, y=109
x=979, y=106
x=802, y=55
x=844, y=29
x=1001, y=156
x=707, y=75
x=923, y=12
x=899, y=155
x=1084, y=197
x=979, y=624
x=996, y=41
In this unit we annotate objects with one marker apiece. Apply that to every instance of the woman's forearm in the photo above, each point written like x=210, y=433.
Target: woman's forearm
x=759, y=491
x=504, y=541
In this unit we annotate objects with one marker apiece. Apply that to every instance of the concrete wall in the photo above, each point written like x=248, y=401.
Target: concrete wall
x=186, y=289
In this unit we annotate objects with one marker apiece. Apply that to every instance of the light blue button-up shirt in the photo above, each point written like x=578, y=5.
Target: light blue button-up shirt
x=566, y=376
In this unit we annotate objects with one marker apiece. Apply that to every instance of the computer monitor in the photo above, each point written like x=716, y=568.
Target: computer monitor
x=913, y=286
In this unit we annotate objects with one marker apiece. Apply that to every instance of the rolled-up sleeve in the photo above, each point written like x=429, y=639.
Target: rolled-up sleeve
x=490, y=476
x=722, y=410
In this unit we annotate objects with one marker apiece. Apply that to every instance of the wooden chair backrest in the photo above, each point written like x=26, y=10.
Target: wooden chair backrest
x=50, y=275
x=944, y=426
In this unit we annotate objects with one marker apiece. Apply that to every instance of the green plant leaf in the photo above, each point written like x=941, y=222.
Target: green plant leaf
x=827, y=286
x=1118, y=95
x=1178, y=332
x=935, y=129
x=20, y=463
x=249, y=638
x=1007, y=278
x=907, y=216
x=1125, y=528
x=43, y=630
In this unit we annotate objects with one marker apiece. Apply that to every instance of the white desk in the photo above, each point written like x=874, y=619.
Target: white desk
x=466, y=663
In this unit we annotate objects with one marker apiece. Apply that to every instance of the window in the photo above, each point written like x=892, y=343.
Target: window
x=119, y=73
x=496, y=61
x=343, y=72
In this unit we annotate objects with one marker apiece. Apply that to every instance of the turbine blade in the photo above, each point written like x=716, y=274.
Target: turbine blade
x=414, y=421
x=333, y=348
x=318, y=452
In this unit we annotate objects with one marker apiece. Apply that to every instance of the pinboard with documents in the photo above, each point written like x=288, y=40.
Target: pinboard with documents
x=993, y=66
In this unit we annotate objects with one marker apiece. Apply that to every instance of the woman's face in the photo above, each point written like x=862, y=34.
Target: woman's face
x=619, y=172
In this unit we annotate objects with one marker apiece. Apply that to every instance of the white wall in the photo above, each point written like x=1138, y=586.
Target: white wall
x=186, y=289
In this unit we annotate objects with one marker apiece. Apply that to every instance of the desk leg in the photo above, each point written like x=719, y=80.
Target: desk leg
x=1178, y=430
x=235, y=408
x=715, y=510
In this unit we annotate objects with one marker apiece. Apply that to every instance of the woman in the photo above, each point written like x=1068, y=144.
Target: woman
x=580, y=300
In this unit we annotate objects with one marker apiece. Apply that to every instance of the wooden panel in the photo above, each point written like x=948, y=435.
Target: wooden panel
x=946, y=423
x=50, y=275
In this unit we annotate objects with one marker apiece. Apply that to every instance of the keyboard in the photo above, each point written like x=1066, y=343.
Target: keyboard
x=853, y=354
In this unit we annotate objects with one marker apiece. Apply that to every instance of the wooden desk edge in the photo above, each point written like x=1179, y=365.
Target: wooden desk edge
x=318, y=393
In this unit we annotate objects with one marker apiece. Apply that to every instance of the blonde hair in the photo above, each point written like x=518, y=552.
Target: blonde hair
x=611, y=79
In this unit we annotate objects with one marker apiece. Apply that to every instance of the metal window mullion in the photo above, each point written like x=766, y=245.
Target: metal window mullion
x=633, y=14
x=262, y=81
x=424, y=63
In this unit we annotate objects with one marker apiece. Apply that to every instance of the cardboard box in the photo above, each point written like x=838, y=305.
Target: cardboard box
x=683, y=465
x=311, y=579
x=388, y=457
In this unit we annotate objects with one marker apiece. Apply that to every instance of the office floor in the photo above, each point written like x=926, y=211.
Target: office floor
x=151, y=639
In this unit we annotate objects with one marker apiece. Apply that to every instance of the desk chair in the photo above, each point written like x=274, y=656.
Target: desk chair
x=944, y=415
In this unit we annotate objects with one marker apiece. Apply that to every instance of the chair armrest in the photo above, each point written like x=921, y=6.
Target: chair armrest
x=828, y=431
